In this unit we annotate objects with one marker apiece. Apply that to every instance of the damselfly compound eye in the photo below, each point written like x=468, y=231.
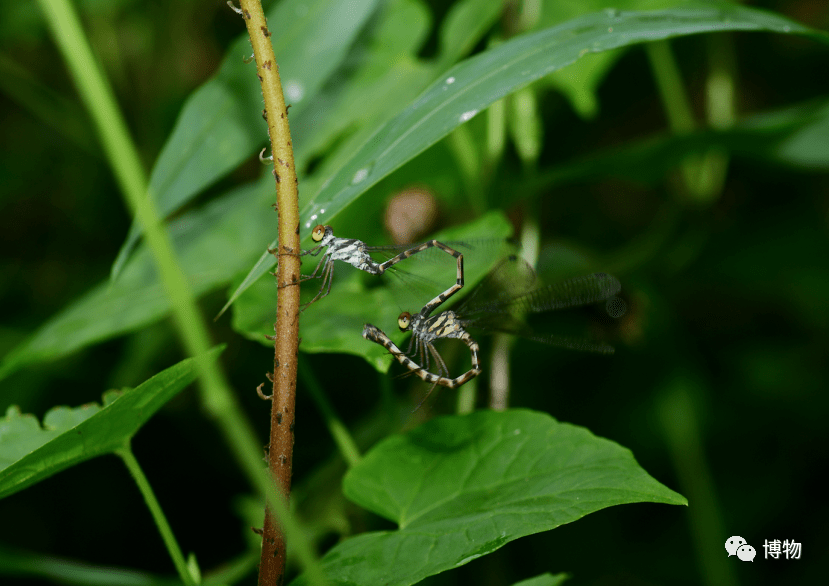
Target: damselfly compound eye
x=403, y=320
x=318, y=233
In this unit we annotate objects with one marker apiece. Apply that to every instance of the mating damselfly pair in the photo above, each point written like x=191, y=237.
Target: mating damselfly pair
x=499, y=303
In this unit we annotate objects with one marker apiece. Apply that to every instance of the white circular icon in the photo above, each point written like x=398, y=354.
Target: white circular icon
x=746, y=553
x=733, y=544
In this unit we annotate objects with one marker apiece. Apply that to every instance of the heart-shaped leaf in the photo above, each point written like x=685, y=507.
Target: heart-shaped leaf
x=461, y=487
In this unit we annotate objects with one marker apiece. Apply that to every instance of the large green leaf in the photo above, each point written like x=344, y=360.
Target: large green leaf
x=230, y=234
x=221, y=124
x=30, y=453
x=477, y=82
x=461, y=487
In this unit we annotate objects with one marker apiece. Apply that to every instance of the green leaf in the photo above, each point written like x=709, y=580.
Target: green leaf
x=229, y=235
x=788, y=136
x=477, y=82
x=221, y=124
x=581, y=80
x=334, y=323
x=466, y=23
x=212, y=243
x=807, y=147
x=61, y=570
x=29, y=453
x=461, y=487
x=544, y=580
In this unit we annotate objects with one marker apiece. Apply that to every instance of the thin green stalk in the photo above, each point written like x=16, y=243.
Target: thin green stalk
x=345, y=443
x=466, y=397
x=496, y=133
x=98, y=97
x=677, y=414
x=499, y=372
x=122, y=155
x=676, y=104
x=671, y=89
x=170, y=542
x=526, y=127
x=720, y=109
x=703, y=174
x=720, y=85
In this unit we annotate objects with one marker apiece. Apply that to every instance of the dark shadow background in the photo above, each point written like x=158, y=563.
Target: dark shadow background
x=718, y=385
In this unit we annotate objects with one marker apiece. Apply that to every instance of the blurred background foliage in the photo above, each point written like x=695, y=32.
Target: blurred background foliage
x=716, y=228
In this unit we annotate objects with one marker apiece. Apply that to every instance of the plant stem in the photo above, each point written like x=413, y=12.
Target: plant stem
x=671, y=89
x=98, y=97
x=720, y=109
x=466, y=398
x=217, y=397
x=677, y=413
x=677, y=106
x=286, y=342
x=170, y=542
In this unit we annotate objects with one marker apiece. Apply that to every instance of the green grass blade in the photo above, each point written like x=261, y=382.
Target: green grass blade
x=476, y=83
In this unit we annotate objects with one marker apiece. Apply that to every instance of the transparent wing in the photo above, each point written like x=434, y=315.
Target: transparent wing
x=511, y=288
x=572, y=343
x=511, y=278
x=504, y=300
x=575, y=292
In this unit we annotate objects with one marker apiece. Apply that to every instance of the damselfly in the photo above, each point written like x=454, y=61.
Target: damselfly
x=357, y=254
x=497, y=304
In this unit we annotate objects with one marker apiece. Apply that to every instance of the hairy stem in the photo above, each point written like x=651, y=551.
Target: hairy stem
x=286, y=343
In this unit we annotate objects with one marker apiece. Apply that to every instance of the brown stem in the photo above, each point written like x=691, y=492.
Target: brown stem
x=286, y=343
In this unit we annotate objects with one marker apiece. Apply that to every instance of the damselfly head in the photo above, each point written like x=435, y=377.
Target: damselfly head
x=404, y=321
x=319, y=232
